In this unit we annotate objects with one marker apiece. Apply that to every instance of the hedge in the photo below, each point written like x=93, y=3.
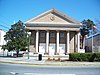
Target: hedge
x=84, y=57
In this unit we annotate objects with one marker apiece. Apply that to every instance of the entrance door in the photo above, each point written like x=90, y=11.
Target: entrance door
x=62, y=49
x=42, y=48
x=51, y=49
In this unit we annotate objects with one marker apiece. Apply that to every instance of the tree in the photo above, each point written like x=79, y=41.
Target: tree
x=16, y=38
x=87, y=25
x=84, y=31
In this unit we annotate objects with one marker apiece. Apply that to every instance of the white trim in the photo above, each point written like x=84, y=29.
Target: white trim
x=60, y=23
x=53, y=24
x=52, y=28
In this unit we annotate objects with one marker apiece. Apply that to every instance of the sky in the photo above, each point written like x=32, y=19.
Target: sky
x=13, y=10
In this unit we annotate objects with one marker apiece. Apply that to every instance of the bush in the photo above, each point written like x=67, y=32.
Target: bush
x=84, y=57
x=97, y=57
x=74, y=56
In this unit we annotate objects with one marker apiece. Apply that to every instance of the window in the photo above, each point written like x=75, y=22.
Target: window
x=52, y=34
x=62, y=34
x=42, y=34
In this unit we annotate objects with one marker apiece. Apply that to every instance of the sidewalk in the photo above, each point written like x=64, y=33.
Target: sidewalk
x=34, y=62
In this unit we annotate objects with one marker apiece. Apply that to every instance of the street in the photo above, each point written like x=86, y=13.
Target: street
x=18, y=69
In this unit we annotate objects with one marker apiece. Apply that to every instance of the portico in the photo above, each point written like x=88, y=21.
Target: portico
x=54, y=33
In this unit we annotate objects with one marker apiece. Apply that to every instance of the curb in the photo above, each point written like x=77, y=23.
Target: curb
x=43, y=64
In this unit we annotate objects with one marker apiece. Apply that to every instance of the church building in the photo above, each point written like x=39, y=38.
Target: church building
x=53, y=32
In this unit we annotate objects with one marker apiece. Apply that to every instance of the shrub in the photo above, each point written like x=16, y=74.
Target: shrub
x=74, y=56
x=97, y=57
x=84, y=57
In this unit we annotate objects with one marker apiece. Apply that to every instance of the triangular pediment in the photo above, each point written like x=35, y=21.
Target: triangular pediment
x=53, y=16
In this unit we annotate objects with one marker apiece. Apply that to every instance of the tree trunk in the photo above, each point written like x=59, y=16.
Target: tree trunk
x=17, y=52
x=83, y=40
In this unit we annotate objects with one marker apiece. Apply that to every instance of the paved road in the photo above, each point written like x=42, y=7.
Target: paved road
x=11, y=69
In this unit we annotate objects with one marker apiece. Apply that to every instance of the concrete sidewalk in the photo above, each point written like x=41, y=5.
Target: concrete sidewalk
x=34, y=61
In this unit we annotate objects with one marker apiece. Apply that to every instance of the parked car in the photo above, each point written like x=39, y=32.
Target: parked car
x=14, y=54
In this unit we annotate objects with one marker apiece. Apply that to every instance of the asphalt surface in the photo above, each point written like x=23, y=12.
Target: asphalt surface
x=18, y=69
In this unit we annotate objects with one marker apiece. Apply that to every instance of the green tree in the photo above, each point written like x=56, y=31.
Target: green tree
x=16, y=38
x=87, y=25
x=84, y=31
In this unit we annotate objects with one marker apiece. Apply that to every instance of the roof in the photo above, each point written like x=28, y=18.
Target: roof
x=98, y=33
x=72, y=20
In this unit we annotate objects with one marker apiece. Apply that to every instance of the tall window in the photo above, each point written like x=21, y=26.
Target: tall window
x=42, y=34
x=52, y=34
x=62, y=34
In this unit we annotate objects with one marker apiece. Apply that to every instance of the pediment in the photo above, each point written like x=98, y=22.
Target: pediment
x=53, y=16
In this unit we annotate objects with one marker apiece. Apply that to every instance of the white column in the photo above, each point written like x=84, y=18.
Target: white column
x=78, y=41
x=37, y=40
x=47, y=42
x=68, y=42
x=57, y=42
